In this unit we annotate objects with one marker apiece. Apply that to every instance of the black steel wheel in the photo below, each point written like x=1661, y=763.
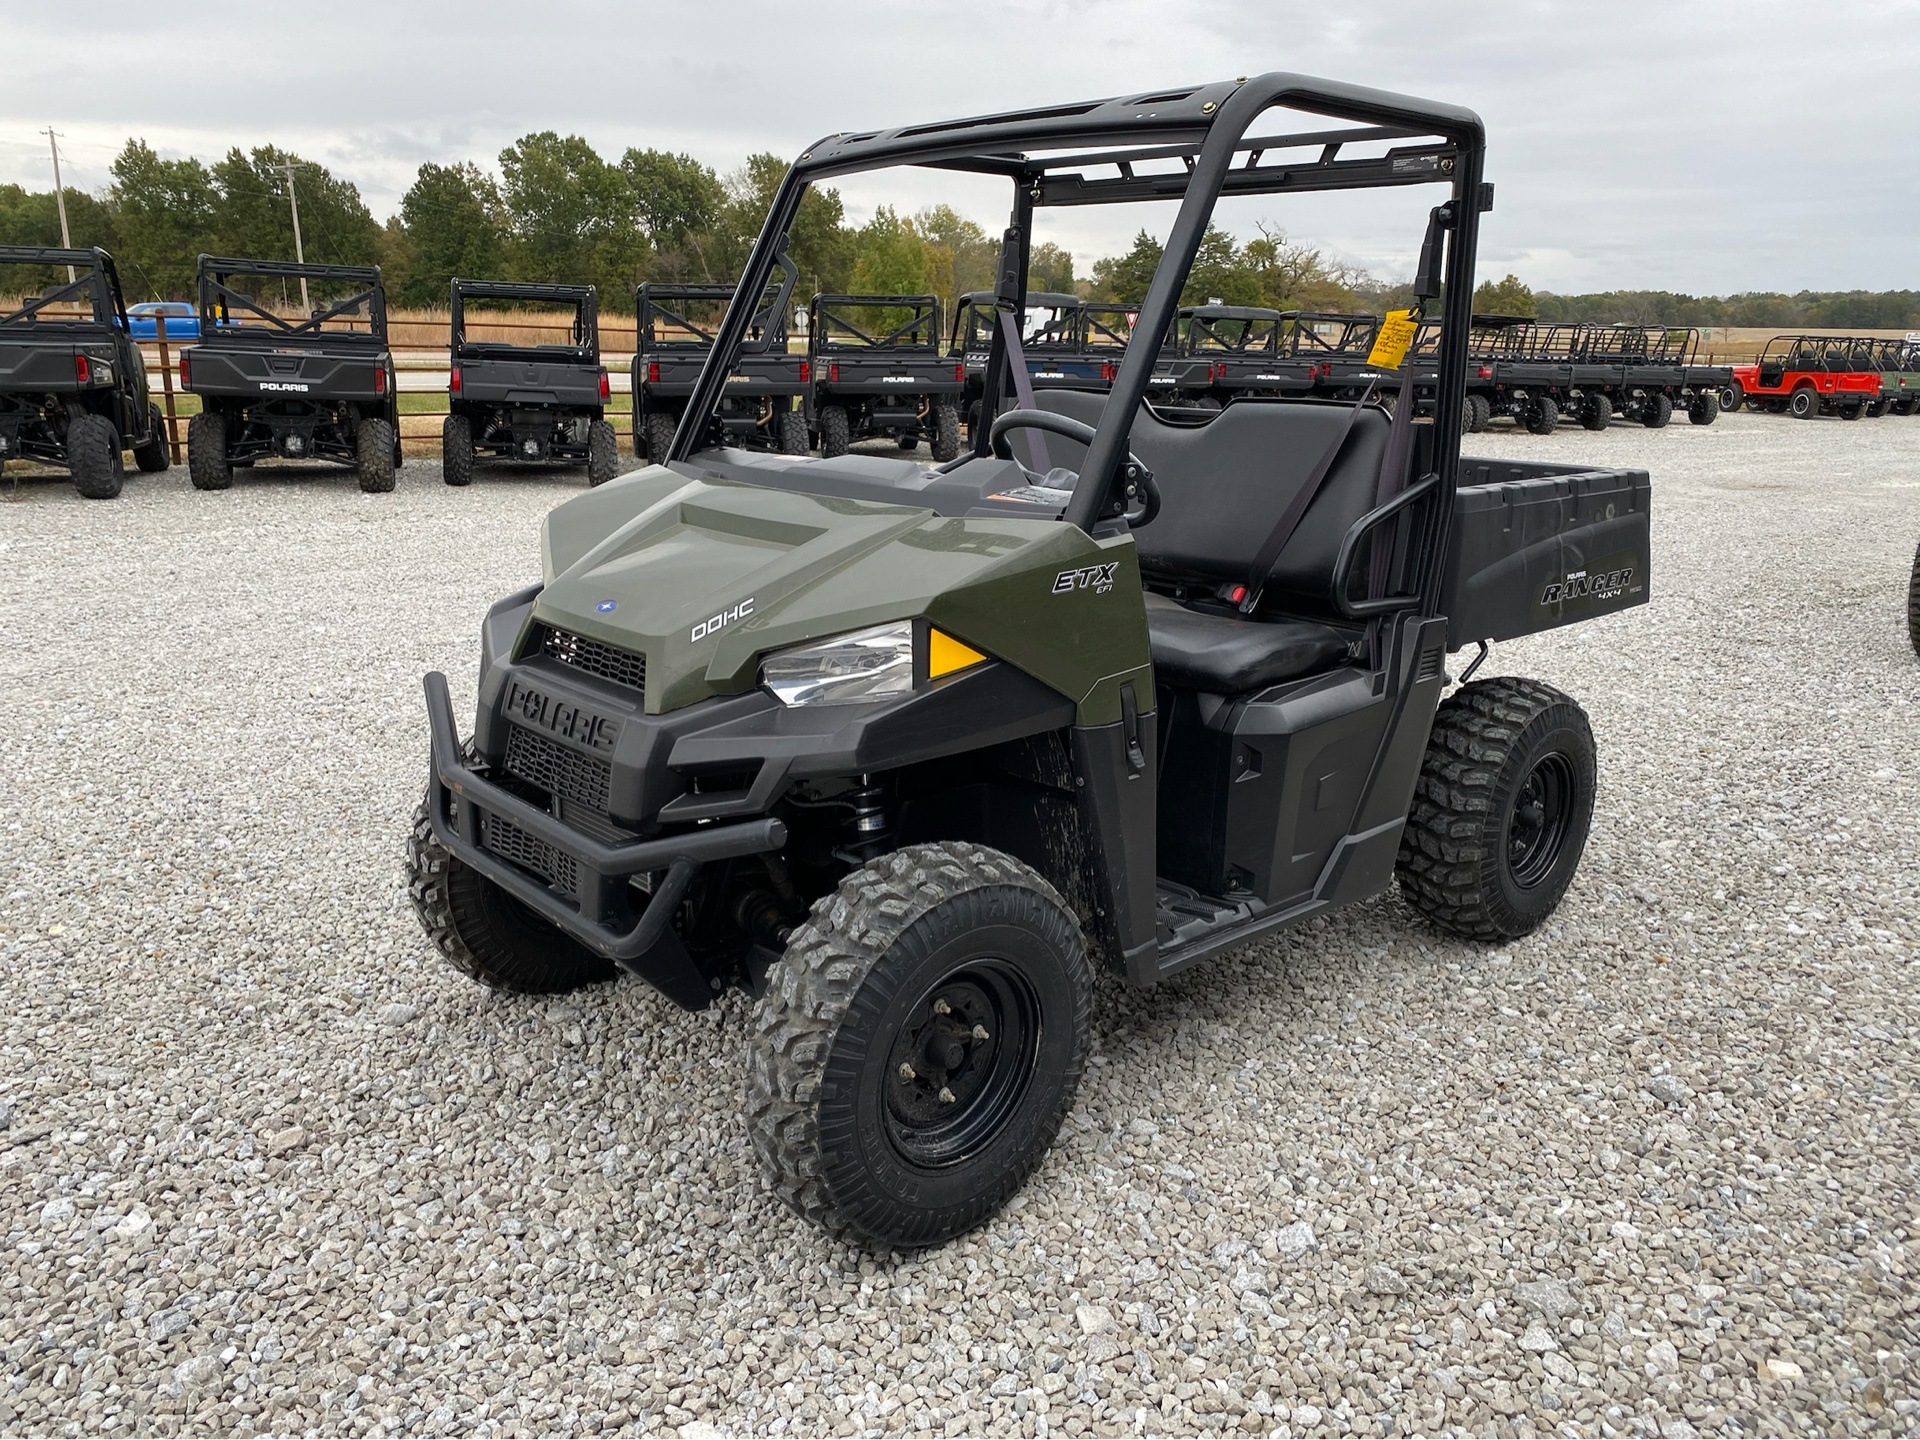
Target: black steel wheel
x=93, y=457
x=1804, y=404
x=1656, y=410
x=456, y=450
x=1597, y=413
x=1731, y=398
x=1482, y=409
x=918, y=1045
x=836, y=434
x=1501, y=810
x=1542, y=415
x=487, y=934
x=1704, y=408
x=603, y=453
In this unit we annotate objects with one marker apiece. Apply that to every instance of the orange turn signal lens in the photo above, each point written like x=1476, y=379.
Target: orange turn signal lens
x=945, y=655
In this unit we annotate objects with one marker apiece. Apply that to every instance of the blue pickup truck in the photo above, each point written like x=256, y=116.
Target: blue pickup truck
x=182, y=322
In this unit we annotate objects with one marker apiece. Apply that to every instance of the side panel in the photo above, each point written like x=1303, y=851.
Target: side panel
x=1117, y=812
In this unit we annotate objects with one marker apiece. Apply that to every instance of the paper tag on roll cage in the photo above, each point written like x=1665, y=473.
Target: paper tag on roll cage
x=1396, y=335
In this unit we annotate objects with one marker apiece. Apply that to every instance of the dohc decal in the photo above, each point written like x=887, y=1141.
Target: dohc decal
x=714, y=624
x=1097, y=578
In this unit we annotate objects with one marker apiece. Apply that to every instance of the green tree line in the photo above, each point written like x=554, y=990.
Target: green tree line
x=1808, y=309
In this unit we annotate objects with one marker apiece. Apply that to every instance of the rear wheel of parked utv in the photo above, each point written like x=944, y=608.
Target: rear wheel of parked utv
x=660, y=430
x=374, y=448
x=93, y=457
x=946, y=433
x=154, y=456
x=1656, y=411
x=487, y=934
x=1704, y=408
x=918, y=1045
x=835, y=433
x=456, y=450
x=603, y=453
x=207, y=464
x=1482, y=410
x=794, y=439
x=1598, y=414
x=1542, y=416
x=1913, y=604
x=1501, y=810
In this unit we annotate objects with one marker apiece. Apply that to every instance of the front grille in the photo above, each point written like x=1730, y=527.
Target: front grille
x=595, y=657
x=557, y=770
x=510, y=842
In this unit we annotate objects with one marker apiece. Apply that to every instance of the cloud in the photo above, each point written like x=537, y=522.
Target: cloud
x=1706, y=147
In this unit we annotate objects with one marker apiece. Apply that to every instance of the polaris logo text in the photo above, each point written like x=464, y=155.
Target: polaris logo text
x=717, y=623
x=1097, y=578
x=1582, y=586
x=294, y=385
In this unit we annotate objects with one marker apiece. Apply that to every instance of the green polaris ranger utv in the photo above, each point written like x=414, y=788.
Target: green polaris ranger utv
x=909, y=752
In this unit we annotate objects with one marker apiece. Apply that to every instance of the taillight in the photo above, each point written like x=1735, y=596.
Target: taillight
x=606, y=386
x=185, y=381
x=960, y=373
x=453, y=380
x=81, y=370
x=653, y=372
x=833, y=373
x=806, y=372
x=1220, y=370
x=1486, y=372
x=379, y=379
x=1107, y=371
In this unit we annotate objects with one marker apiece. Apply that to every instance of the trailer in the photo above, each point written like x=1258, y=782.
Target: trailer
x=878, y=373
x=769, y=395
x=1805, y=376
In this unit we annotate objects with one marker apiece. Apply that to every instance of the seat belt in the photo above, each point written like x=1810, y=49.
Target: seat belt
x=1393, y=474
x=1290, y=518
x=1023, y=388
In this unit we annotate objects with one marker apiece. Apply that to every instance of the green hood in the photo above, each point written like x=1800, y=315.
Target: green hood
x=704, y=577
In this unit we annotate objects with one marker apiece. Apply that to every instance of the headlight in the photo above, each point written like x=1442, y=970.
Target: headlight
x=874, y=664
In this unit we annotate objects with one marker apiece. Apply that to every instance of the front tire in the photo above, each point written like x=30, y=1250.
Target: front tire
x=794, y=439
x=484, y=932
x=1481, y=410
x=1501, y=810
x=374, y=448
x=660, y=430
x=1731, y=398
x=154, y=456
x=1704, y=408
x=946, y=433
x=918, y=1045
x=456, y=450
x=1657, y=410
x=93, y=457
x=603, y=453
x=207, y=463
x=1913, y=604
x=1542, y=416
x=1598, y=413
x=836, y=435
x=1804, y=404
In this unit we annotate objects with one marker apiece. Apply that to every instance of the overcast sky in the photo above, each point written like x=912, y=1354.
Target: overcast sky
x=1706, y=147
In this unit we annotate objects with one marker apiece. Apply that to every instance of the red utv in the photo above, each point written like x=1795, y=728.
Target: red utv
x=1807, y=375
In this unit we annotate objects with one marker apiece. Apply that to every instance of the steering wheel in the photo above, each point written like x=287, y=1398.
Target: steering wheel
x=1138, y=478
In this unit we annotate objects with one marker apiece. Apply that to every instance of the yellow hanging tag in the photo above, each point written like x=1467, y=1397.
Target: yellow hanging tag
x=1396, y=335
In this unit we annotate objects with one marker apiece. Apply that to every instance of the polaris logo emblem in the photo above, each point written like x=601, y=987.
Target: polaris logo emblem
x=534, y=709
x=1582, y=586
x=896, y=379
x=1097, y=578
x=715, y=624
x=294, y=385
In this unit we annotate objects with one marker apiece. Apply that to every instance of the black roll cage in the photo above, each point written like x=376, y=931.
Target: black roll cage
x=1204, y=322
x=584, y=299
x=1189, y=144
x=100, y=284
x=218, y=300
x=919, y=331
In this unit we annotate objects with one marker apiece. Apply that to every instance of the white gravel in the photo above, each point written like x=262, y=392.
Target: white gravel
x=268, y=1164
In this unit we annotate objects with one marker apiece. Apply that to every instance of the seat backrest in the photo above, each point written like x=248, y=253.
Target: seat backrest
x=1225, y=483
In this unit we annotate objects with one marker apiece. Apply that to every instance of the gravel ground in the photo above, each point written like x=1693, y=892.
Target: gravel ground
x=269, y=1164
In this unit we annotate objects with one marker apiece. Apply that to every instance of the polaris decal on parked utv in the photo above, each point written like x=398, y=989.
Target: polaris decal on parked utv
x=1183, y=692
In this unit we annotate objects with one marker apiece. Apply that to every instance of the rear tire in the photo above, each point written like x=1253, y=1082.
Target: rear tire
x=484, y=932
x=660, y=430
x=1704, y=408
x=207, y=464
x=1913, y=604
x=908, y=442
x=603, y=453
x=374, y=446
x=1482, y=413
x=1657, y=410
x=1501, y=810
x=881, y=1118
x=794, y=439
x=946, y=433
x=1597, y=413
x=835, y=432
x=93, y=457
x=155, y=456
x=1854, y=412
x=456, y=450
x=1732, y=397
x=1804, y=404
x=1542, y=416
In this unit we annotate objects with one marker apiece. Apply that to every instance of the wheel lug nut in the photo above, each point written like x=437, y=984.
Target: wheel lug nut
x=980, y=1033
x=946, y=1096
x=906, y=1071
x=940, y=1007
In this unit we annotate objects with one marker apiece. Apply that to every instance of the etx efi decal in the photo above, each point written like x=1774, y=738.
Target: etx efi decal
x=1097, y=578
x=1582, y=586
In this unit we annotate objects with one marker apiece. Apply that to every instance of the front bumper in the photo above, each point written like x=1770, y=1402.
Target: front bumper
x=598, y=912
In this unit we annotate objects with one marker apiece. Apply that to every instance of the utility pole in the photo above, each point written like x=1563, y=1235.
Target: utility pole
x=60, y=196
x=300, y=255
